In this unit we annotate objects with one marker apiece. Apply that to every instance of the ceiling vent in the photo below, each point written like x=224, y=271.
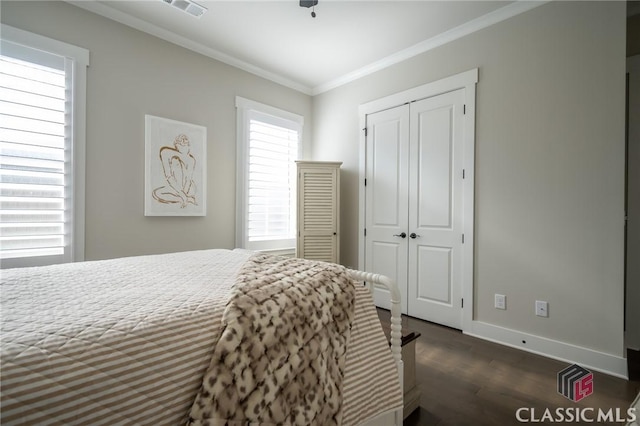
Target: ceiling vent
x=187, y=6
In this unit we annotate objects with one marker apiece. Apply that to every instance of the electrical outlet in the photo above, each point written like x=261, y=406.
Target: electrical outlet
x=500, y=301
x=542, y=308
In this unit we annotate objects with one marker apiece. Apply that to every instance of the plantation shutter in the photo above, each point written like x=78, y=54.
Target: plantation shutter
x=271, y=185
x=35, y=153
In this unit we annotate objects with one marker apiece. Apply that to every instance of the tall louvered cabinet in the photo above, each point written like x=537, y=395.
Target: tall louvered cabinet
x=318, y=212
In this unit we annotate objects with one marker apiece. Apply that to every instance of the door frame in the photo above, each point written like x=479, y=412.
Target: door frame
x=632, y=233
x=465, y=80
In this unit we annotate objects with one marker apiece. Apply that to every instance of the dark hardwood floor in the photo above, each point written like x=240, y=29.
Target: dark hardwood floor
x=470, y=381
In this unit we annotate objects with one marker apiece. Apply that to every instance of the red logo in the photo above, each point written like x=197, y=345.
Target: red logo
x=575, y=383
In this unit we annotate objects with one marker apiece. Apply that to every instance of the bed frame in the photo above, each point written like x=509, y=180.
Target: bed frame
x=370, y=280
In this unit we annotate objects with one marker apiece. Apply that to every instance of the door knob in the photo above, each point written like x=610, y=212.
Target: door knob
x=414, y=235
x=403, y=235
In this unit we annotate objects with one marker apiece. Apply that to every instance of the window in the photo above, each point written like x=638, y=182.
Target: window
x=268, y=145
x=42, y=99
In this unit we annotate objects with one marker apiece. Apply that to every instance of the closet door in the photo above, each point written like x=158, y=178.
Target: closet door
x=413, y=205
x=386, y=199
x=435, y=209
x=418, y=204
x=318, y=211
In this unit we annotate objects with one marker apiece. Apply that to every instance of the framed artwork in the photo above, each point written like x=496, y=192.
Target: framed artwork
x=175, y=168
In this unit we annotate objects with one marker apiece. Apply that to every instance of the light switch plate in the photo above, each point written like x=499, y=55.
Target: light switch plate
x=500, y=301
x=542, y=308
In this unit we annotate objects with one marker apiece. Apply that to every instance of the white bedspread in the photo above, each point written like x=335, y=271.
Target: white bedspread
x=126, y=341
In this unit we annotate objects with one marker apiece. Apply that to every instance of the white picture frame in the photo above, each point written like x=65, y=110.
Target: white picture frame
x=175, y=181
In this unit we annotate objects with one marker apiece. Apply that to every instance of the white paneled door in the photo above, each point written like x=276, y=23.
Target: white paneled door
x=386, y=195
x=414, y=204
x=435, y=209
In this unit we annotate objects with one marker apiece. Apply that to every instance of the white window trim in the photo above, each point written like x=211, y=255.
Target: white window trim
x=79, y=57
x=243, y=106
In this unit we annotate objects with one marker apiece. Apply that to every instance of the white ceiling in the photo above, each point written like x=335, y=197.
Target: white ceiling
x=279, y=40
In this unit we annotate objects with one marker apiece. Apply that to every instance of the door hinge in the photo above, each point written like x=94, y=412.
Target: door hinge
x=462, y=303
x=462, y=238
x=464, y=109
x=463, y=172
x=365, y=182
x=365, y=232
x=365, y=131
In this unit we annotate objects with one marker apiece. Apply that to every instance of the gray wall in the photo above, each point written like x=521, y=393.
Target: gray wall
x=549, y=164
x=133, y=74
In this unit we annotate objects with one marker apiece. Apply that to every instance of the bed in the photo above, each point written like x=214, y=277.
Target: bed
x=197, y=338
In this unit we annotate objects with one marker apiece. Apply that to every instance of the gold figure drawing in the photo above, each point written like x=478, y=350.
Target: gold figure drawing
x=178, y=165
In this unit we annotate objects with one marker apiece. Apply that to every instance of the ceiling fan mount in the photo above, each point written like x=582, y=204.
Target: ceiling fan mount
x=311, y=4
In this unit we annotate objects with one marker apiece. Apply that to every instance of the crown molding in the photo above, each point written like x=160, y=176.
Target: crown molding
x=154, y=30
x=491, y=18
x=460, y=31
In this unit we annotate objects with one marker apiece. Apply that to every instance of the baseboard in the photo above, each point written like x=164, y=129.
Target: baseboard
x=585, y=357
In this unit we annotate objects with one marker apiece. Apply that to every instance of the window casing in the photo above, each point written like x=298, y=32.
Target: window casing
x=269, y=142
x=42, y=127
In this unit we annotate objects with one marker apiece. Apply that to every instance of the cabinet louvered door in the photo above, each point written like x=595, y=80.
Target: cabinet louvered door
x=318, y=207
